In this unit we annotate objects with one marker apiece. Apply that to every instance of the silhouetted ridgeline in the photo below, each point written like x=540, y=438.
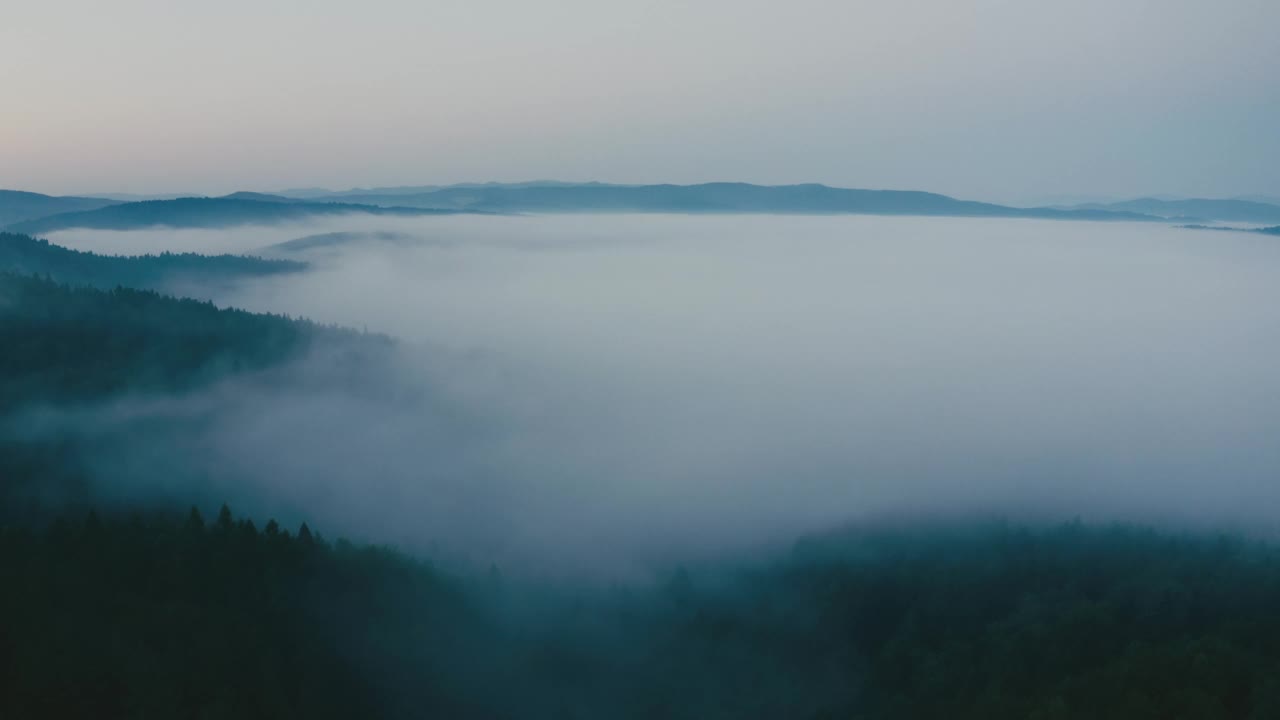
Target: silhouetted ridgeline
x=202, y=213
x=715, y=197
x=17, y=206
x=163, y=617
x=1228, y=210
x=23, y=254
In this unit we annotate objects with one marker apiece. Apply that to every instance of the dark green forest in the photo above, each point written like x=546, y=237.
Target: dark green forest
x=26, y=255
x=67, y=343
x=74, y=346
x=163, y=616
x=158, y=612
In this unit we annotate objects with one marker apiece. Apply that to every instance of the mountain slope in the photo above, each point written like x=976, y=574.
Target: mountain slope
x=202, y=213
x=261, y=197
x=69, y=349
x=23, y=254
x=18, y=206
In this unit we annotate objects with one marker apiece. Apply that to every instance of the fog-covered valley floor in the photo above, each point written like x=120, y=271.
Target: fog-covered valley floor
x=614, y=392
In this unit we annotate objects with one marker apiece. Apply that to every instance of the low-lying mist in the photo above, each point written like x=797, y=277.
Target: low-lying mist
x=622, y=391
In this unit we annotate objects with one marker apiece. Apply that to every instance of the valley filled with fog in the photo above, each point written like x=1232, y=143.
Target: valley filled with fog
x=619, y=391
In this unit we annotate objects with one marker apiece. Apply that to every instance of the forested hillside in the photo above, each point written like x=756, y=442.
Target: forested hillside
x=160, y=616
x=26, y=255
x=17, y=206
x=77, y=347
x=77, y=344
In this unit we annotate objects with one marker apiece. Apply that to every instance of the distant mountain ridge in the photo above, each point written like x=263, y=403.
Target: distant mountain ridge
x=1233, y=210
x=18, y=205
x=26, y=255
x=314, y=193
x=205, y=213
x=548, y=196
x=40, y=213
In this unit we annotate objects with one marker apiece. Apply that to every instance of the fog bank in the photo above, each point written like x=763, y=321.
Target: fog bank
x=619, y=390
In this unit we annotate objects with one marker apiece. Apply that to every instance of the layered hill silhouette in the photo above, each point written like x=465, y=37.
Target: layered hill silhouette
x=26, y=255
x=709, y=198
x=205, y=213
x=18, y=206
x=1196, y=208
x=33, y=213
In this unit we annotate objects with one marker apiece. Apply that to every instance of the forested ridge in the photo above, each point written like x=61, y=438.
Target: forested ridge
x=65, y=343
x=203, y=212
x=68, y=347
x=26, y=255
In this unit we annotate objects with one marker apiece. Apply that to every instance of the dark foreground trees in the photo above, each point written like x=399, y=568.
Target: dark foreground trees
x=161, y=617
x=172, y=617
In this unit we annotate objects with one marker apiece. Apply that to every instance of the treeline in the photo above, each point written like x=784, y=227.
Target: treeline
x=165, y=617
x=26, y=255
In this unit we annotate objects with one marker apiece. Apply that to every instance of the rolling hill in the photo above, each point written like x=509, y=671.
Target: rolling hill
x=713, y=198
x=18, y=206
x=203, y=213
x=26, y=255
x=1195, y=208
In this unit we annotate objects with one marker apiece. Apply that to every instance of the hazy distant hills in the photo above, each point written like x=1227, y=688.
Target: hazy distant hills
x=204, y=213
x=262, y=197
x=314, y=193
x=34, y=213
x=1235, y=210
x=1266, y=199
x=711, y=198
x=17, y=206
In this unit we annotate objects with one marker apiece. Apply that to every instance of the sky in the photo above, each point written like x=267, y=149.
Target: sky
x=1000, y=100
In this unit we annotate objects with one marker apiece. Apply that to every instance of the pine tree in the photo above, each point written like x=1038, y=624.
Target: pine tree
x=224, y=518
x=194, y=520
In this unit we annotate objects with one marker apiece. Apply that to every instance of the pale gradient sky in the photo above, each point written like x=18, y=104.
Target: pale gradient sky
x=989, y=99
